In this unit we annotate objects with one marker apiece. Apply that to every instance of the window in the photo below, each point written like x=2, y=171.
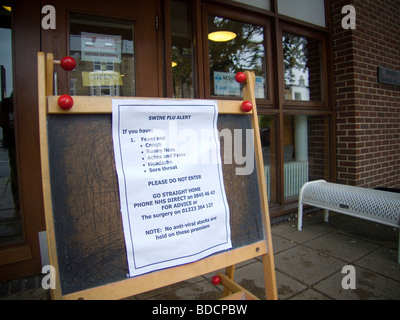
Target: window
x=240, y=46
x=182, y=50
x=262, y=4
x=306, y=151
x=96, y=66
x=312, y=11
x=302, y=67
x=291, y=66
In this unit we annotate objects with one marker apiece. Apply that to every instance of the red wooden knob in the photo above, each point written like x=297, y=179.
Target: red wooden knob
x=216, y=280
x=240, y=77
x=246, y=106
x=68, y=63
x=65, y=102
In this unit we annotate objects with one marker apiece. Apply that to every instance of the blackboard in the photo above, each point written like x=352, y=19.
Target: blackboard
x=86, y=209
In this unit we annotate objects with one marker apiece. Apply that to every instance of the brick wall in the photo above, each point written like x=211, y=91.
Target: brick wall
x=367, y=112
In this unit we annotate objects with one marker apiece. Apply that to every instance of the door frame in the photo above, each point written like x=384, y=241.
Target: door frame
x=23, y=259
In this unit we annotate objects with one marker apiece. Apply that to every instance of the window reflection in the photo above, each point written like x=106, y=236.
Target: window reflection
x=268, y=145
x=302, y=68
x=306, y=152
x=182, y=50
x=312, y=11
x=104, y=51
x=244, y=52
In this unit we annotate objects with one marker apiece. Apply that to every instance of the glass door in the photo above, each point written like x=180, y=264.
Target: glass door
x=116, y=48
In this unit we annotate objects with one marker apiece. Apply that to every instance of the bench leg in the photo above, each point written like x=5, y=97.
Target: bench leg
x=326, y=215
x=300, y=217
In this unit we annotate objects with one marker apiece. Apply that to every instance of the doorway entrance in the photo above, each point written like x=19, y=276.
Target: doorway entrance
x=118, y=49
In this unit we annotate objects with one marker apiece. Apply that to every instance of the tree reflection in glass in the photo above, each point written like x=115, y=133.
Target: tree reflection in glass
x=244, y=52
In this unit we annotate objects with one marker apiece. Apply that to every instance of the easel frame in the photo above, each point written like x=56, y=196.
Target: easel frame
x=133, y=286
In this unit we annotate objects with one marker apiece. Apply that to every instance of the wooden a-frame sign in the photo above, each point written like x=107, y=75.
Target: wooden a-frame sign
x=83, y=220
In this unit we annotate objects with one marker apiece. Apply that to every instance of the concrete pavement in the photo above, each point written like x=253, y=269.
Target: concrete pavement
x=308, y=265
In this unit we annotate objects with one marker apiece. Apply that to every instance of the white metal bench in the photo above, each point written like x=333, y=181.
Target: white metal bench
x=369, y=204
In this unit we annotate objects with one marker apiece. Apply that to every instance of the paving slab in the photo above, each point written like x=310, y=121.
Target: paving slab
x=281, y=244
x=288, y=287
x=307, y=265
x=379, y=234
x=167, y=293
x=33, y=294
x=382, y=261
x=251, y=277
x=341, y=246
x=369, y=286
x=310, y=294
x=202, y=290
x=289, y=231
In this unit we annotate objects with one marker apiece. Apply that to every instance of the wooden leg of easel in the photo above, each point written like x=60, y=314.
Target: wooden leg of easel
x=268, y=259
x=269, y=277
x=230, y=272
x=238, y=292
x=43, y=86
x=49, y=74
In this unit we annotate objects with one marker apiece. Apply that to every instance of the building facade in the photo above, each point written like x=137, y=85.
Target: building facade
x=367, y=109
x=327, y=87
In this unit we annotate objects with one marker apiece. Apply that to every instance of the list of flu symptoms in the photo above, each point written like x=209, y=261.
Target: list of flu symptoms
x=173, y=203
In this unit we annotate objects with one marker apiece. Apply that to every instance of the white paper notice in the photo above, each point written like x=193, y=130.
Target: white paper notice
x=173, y=202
